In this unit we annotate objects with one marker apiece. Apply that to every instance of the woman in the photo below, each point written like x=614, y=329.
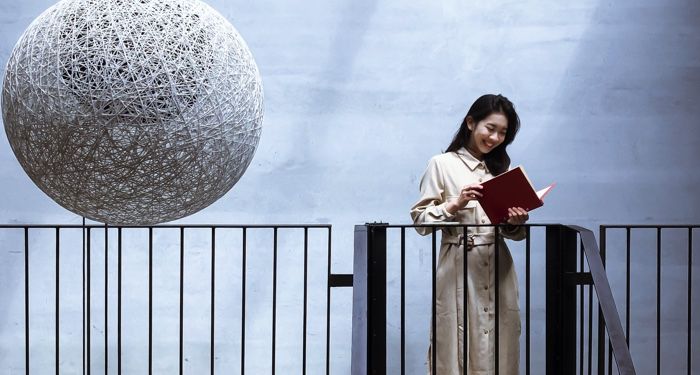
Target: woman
x=450, y=189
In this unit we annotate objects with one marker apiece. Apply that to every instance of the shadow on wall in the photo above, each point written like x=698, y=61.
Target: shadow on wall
x=330, y=81
x=627, y=102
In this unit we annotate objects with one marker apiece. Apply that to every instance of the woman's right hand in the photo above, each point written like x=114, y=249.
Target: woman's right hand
x=467, y=194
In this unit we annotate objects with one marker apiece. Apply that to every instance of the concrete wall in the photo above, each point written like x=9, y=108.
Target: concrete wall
x=359, y=95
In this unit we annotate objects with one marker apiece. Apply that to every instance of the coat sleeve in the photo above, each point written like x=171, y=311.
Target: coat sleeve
x=515, y=232
x=431, y=207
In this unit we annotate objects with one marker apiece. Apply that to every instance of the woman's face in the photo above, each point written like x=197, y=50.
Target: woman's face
x=487, y=134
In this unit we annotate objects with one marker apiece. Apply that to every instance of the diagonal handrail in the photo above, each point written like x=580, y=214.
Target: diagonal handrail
x=623, y=359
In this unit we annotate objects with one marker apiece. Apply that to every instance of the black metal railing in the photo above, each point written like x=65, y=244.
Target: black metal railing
x=591, y=280
x=651, y=269
x=79, y=251
x=370, y=296
x=560, y=249
x=137, y=299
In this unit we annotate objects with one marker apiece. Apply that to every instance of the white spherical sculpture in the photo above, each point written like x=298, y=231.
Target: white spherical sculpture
x=132, y=111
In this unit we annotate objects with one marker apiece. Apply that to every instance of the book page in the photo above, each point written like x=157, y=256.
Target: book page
x=541, y=193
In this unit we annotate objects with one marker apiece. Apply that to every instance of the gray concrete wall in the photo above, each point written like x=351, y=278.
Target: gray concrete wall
x=359, y=95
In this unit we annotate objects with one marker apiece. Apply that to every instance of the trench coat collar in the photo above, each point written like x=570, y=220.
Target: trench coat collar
x=469, y=159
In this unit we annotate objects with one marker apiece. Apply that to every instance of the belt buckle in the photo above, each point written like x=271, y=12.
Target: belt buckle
x=470, y=241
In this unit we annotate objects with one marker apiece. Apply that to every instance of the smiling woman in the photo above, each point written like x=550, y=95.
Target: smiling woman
x=450, y=189
x=489, y=111
x=487, y=134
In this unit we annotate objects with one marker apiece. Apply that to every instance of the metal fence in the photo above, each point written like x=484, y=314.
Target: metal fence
x=183, y=299
x=91, y=276
x=573, y=268
x=651, y=269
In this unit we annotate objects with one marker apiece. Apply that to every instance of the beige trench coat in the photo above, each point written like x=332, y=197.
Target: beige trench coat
x=444, y=177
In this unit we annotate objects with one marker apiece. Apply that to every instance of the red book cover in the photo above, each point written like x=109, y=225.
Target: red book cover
x=510, y=189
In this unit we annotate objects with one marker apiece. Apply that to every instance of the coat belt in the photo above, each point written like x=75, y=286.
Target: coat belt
x=472, y=240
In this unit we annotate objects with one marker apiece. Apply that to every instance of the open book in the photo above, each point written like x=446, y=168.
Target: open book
x=510, y=189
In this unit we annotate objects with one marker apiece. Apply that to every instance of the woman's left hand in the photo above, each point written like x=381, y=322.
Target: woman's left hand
x=517, y=216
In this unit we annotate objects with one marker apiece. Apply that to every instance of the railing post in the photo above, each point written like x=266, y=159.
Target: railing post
x=601, y=319
x=561, y=301
x=369, y=301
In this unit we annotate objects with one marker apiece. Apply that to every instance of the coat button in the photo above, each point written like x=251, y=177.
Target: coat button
x=486, y=287
x=486, y=309
x=483, y=221
x=486, y=332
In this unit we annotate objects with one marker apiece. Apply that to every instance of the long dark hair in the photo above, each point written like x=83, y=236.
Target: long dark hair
x=497, y=161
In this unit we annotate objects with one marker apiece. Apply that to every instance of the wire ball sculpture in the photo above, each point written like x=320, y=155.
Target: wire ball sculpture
x=132, y=112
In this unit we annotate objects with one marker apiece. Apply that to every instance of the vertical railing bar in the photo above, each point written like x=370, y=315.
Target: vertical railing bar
x=213, y=292
x=465, y=288
x=590, y=315
x=89, y=307
x=497, y=298
x=658, y=301
x=403, y=300
x=602, y=331
x=627, y=300
x=328, y=307
x=306, y=267
x=58, y=309
x=590, y=328
x=26, y=299
x=150, y=300
x=690, y=300
x=84, y=250
x=106, y=299
x=527, y=300
x=274, y=297
x=182, y=297
x=581, y=313
x=601, y=319
x=243, y=280
x=119, y=300
x=433, y=347
x=627, y=286
x=610, y=358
